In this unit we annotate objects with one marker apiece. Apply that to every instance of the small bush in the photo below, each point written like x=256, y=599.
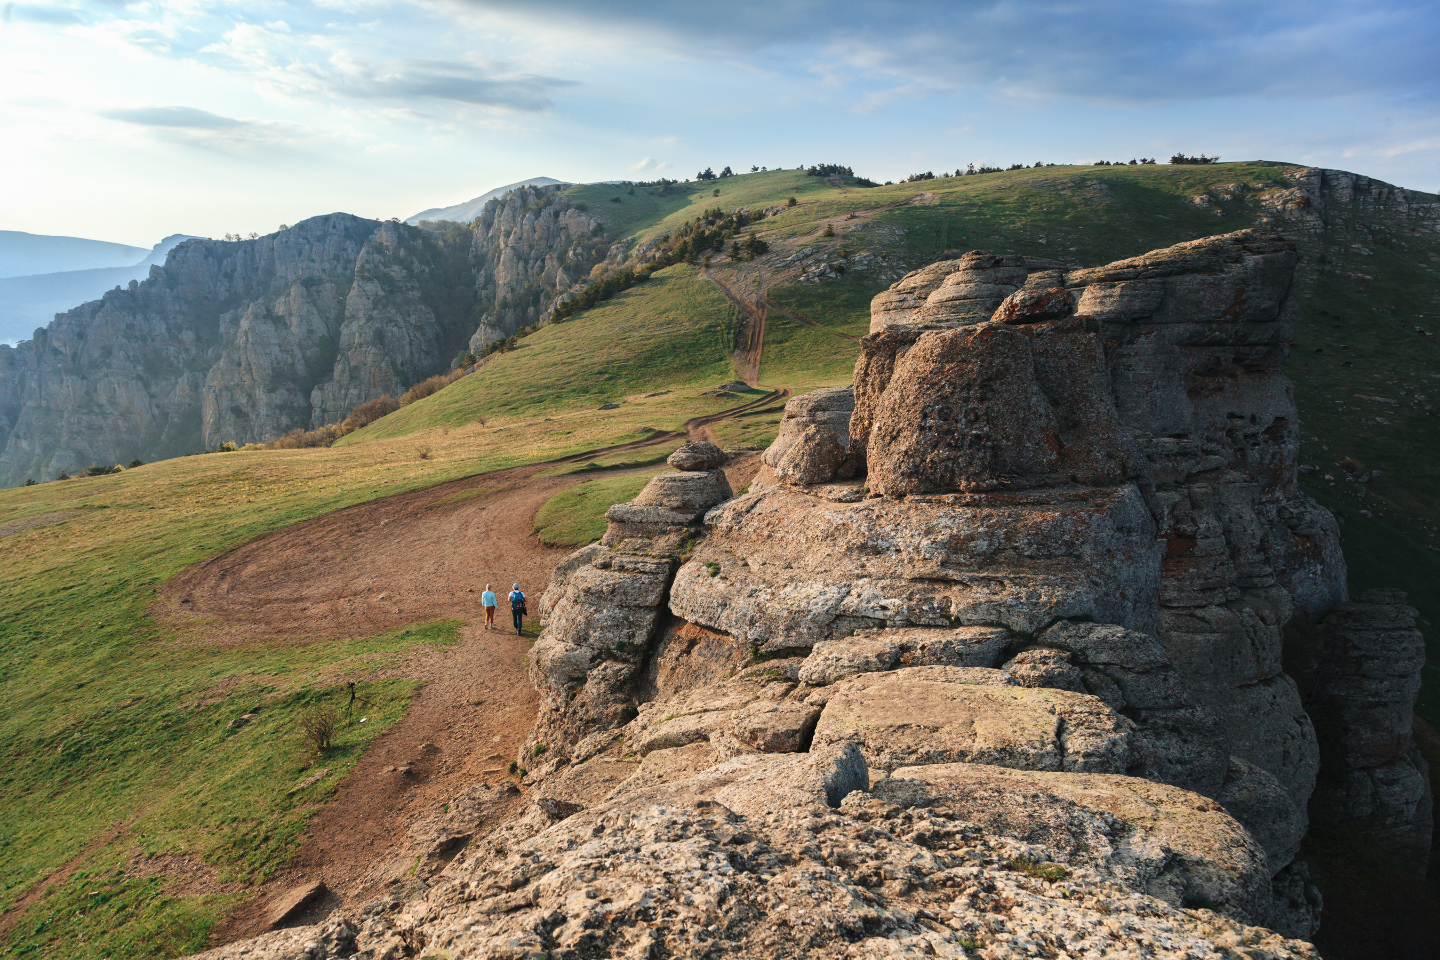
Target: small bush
x=227, y=447
x=63, y=476
x=370, y=411
x=790, y=202
x=423, y=453
x=30, y=483
x=539, y=750
x=317, y=725
x=829, y=230
x=1040, y=869
x=137, y=462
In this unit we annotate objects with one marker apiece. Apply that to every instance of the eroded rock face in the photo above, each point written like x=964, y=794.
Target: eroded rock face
x=1173, y=844
x=1365, y=675
x=242, y=341
x=779, y=856
x=929, y=715
x=813, y=444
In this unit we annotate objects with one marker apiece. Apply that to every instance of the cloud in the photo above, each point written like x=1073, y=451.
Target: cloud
x=191, y=126
x=51, y=16
x=440, y=80
x=1108, y=50
x=186, y=118
x=648, y=165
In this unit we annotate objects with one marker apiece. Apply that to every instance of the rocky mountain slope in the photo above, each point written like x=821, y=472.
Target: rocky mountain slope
x=242, y=341
x=985, y=662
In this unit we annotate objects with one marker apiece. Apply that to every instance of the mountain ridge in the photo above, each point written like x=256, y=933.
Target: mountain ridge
x=470, y=209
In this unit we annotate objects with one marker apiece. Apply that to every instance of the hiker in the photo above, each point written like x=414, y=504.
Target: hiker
x=488, y=601
x=517, y=607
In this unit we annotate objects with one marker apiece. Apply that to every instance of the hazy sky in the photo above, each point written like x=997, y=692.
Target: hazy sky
x=129, y=121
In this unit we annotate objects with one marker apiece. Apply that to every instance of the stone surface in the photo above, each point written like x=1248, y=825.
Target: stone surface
x=1171, y=843
x=781, y=569
x=997, y=407
x=1363, y=677
x=699, y=455
x=813, y=442
x=869, y=651
x=776, y=870
x=924, y=715
x=686, y=494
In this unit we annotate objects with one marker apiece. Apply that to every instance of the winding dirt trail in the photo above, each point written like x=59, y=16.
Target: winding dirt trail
x=381, y=566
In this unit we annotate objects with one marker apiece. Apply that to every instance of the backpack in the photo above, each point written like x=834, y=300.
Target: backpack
x=518, y=604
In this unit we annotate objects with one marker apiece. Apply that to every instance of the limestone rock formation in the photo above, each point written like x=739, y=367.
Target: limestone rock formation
x=242, y=341
x=1001, y=677
x=1365, y=675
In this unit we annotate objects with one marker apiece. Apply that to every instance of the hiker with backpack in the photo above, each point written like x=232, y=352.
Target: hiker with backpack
x=488, y=601
x=517, y=607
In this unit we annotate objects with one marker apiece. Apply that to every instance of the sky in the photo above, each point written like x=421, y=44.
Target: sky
x=132, y=121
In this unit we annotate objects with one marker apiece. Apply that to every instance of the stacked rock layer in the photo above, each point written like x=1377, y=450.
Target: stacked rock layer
x=985, y=662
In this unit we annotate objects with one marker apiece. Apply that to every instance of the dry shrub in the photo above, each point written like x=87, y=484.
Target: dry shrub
x=423, y=453
x=318, y=725
x=300, y=437
x=368, y=412
x=431, y=385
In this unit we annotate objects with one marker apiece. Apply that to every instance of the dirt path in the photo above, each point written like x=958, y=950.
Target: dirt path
x=750, y=344
x=377, y=567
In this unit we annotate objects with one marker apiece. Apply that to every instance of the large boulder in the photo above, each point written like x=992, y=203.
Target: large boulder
x=781, y=569
x=997, y=407
x=1171, y=843
x=923, y=715
x=813, y=443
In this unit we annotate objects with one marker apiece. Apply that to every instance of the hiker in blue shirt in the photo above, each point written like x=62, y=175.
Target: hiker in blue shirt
x=517, y=607
x=488, y=601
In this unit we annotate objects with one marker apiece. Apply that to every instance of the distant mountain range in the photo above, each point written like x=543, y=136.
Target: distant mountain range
x=31, y=301
x=22, y=254
x=470, y=209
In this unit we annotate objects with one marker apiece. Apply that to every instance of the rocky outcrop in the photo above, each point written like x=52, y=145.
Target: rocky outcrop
x=1012, y=688
x=242, y=341
x=1364, y=675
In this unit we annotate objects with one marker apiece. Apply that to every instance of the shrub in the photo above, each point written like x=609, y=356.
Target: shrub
x=227, y=447
x=1040, y=869
x=317, y=726
x=829, y=230
x=370, y=411
x=30, y=482
x=137, y=462
x=790, y=202
x=63, y=476
x=103, y=471
x=1182, y=158
x=423, y=453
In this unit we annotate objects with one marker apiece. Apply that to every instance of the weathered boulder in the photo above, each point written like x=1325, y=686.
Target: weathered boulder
x=781, y=569
x=697, y=455
x=924, y=715
x=996, y=407
x=1171, y=843
x=687, y=494
x=813, y=443
x=601, y=617
x=872, y=651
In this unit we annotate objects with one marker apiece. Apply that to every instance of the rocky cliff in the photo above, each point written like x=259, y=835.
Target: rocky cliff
x=985, y=662
x=242, y=341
